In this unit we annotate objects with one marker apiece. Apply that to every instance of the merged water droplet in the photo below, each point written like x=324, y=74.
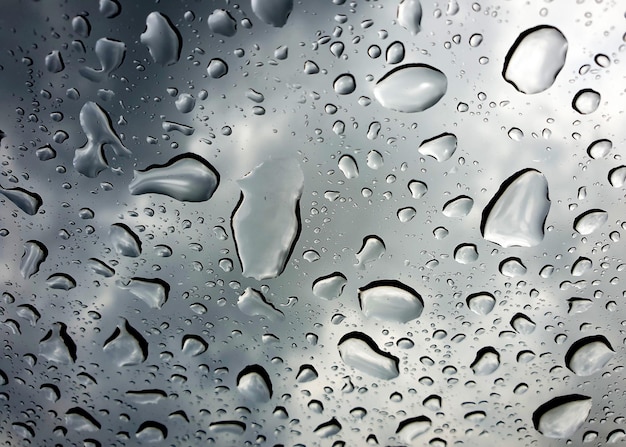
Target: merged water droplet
x=144, y=397
x=35, y=254
x=417, y=188
x=481, y=303
x=27, y=201
x=409, y=15
x=89, y=160
x=589, y=355
x=522, y=324
x=590, y=221
x=126, y=346
x=359, y=351
x=153, y=292
x=373, y=248
x=266, y=221
x=440, y=147
x=458, y=207
x=252, y=302
x=124, y=241
x=162, y=39
x=390, y=301
x=411, y=88
x=187, y=178
x=111, y=54
x=54, y=62
x=535, y=59
x=329, y=287
x=273, y=12
x=254, y=384
x=221, y=22
x=562, y=416
x=57, y=346
x=486, y=362
x=517, y=213
x=586, y=101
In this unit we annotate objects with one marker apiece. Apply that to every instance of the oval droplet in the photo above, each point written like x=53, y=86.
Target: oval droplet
x=589, y=355
x=486, y=362
x=344, y=84
x=586, y=101
x=458, y=207
x=481, y=303
x=390, y=300
x=359, y=351
x=562, y=416
x=590, y=221
x=440, y=147
x=329, y=287
x=254, y=384
x=599, y=148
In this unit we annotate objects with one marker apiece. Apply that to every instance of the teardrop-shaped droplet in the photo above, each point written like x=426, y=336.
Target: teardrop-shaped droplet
x=390, y=301
x=411, y=88
x=517, y=213
x=27, y=201
x=440, y=147
x=329, y=287
x=79, y=420
x=328, y=429
x=395, y=52
x=589, y=355
x=562, y=416
x=254, y=384
x=124, y=241
x=535, y=59
x=359, y=351
x=372, y=249
x=409, y=15
x=347, y=165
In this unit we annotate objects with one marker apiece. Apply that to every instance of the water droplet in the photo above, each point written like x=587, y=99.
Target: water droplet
x=81, y=26
x=590, y=221
x=406, y=214
x=337, y=48
x=54, y=62
x=111, y=54
x=440, y=147
x=329, y=287
x=512, y=267
x=281, y=53
x=217, y=68
x=589, y=355
x=475, y=40
x=579, y=305
x=481, y=303
x=344, y=84
x=458, y=207
x=535, y=59
x=602, y=60
x=373, y=248
x=328, y=429
x=185, y=103
x=100, y=267
x=162, y=39
x=359, y=351
x=27, y=201
x=581, y=266
x=515, y=134
x=409, y=15
x=517, y=213
x=375, y=160
x=522, y=324
x=57, y=346
x=617, y=177
x=126, y=346
x=562, y=416
x=411, y=88
x=252, y=302
x=390, y=301
x=151, y=432
x=144, y=397
x=61, y=281
x=395, y=52
x=347, y=165
x=153, y=292
x=221, y=22
x=124, y=241
x=231, y=427
x=306, y=373
x=465, y=253
x=599, y=148
x=417, y=188
x=89, y=160
x=266, y=220
x=187, y=178
x=486, y=362
x=410, y=429
x=273, y=12
x=109, y=8
x=46, y=153
x=254, y=384
x=34, y=254
x=586, y=101
x=79, y=420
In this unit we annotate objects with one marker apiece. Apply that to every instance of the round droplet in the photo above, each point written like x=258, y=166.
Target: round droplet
x=395, y=52
x=344, y=84
x=411, y=88
x=589, y=355
x=466, y=253
x=599, y=148
x=586, y=101
x=217, y=68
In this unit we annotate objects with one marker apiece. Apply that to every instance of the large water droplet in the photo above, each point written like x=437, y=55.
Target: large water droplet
x=517, y=213
x=78, y=419
x=266, y=221
x=144, y=397
x=417, y=188
x=61, y=281
x=344, y=84
x=54, y=62
x=481, y=303
x=409, y=15
x=512, y=267
x=100, y=267
x=581, y=266
x=124, y=241
x=347, y=165
x=562, y=416
x=395, y=52
x=410, y=429
x=217, y=68
x=391, y=301
x=254, y=384
x=359, y=351
x=151, y=432
x=372, y=249
x=187, y=177
x=126, y=346
x=57, y=346
x=466, y=253
x=535, y=59
x=27, y=201
x=89, y=160
x=81, y=26
x=252, y=302
x=231, y=427
x=111, y=54
x=411, y=88
x=162, y=39
x=522, y=324
x=617, y=177
x=589, y=355
x=599, y=148
x=590, y=221
x=34, y=254
x=273, y=12
x=329, y=287
x=440, y=147
x=586, y=101
x=328, y=429
x=458, y=207
x=486, y=362
x=153, y=292
x=221, y=22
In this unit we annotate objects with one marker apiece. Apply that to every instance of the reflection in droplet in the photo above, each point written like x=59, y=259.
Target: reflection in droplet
x=458, y=207
x=411, y=88
x=481, y=303
x=486, y=362
x=590, y=221
x=535, y=59
x=390, y=301
x=162, y=39
x=586, y=101
x=562, y=416
x=440, y=147
x=589, y=355
x=359, y=351
x=254, y=384
x=409, y=15
x=329, y=287
x=124, y=241
x=372, y=249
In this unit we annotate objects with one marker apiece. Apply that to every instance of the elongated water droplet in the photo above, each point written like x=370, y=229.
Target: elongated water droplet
x=458, y=207
x=486, y=362
x=162, y=39
x=522, y=324
x=126, y=346
x=100, y=267
x=193, y=345
x=328, y=429
x=144, y=397
x=153, y=292
x=409, y=15
x=410, y=429
x=440, y=147
x=34, y=254
x=27, y=201
x=395, y=52
x=111, y=54
x=151, y=432
x=359, y=351
x=231, y=427
x=273, y=12
x=481, y=303
x=590, y=221
x=391, y=301
x=79, y=420
x=372, y=249
x=57, y=346
x=348, y=166
x=221, y=22
x=266, y=221
x=517, y=213
x=252, y=302
x=54, y=62
x=124, y=241
x=581, y=266
x=562, y=416
x=89, y=160
x=187, y=177
x=535, y=59
x=61, y=281
x=589, y=355
x=586, y=101
x=329, y=287
x=254, y=384
x=411, y=88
